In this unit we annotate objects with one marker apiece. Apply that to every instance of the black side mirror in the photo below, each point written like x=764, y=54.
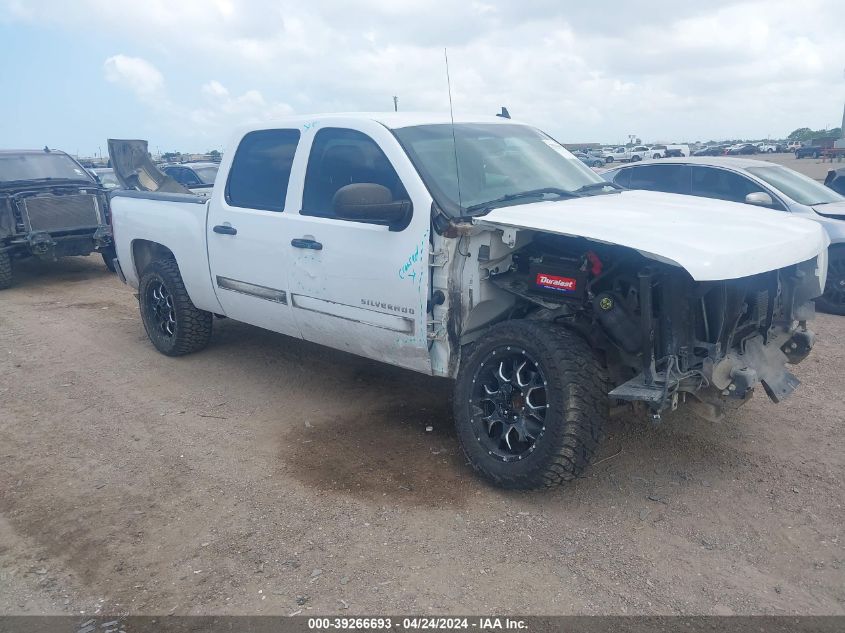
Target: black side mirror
x=372, y=204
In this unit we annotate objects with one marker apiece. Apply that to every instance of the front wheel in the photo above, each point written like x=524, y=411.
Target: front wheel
x=609, y=159
x=833, y=299
x=174, y=324
x=530, y=405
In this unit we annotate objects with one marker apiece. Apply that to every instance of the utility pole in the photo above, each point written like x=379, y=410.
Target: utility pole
x=395, y=103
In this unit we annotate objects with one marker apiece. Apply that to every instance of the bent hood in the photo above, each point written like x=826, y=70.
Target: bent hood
x=711, y=239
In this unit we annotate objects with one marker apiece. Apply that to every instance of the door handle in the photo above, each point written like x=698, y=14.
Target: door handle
x=225, y=229
x=301, y=242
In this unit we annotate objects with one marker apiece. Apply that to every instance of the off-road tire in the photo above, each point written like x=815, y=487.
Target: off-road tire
x=833, y=299
x=192, y=329
x=5, y=270
x=576, y=395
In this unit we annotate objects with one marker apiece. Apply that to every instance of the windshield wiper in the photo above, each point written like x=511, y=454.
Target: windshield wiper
x=593, y=186
x=531, y=193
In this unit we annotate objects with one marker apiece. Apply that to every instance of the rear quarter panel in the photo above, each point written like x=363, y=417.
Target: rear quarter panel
x=179, y=227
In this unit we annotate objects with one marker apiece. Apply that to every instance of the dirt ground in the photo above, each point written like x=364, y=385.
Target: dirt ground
x=268, y=475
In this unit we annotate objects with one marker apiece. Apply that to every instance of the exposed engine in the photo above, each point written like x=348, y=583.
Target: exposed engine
x=664, y=335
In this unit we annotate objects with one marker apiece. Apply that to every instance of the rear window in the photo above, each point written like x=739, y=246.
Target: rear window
x=260, y=172
x=40, y=166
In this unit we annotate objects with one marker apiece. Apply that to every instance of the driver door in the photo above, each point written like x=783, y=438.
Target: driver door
x=354, y=285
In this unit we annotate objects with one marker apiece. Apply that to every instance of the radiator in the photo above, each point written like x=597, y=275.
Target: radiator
x=62, y=213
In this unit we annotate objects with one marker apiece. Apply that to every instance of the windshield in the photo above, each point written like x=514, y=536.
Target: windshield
x=494, y=161
x=206, y=174
x=797, y=186
x=40, y=166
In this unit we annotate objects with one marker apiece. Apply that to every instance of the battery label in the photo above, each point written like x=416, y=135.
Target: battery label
x=554, y=282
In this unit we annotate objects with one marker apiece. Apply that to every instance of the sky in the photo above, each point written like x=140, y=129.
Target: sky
x=184, y=73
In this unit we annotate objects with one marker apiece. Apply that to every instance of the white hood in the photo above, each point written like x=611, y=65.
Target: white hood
x=833, y=209
x=711, y=239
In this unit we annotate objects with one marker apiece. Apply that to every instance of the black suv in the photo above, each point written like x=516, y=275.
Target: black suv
x=50, y=207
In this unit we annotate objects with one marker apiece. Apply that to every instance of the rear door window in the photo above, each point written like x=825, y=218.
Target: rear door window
x=666, y=178
x=260, y=172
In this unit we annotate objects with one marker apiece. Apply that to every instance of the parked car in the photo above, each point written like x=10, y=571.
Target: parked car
x=741, y=149
x=50, y=207
x=658, y=151
x=589, y=159
x=712, y=150
x=835, y=179
x=677, y=151
x=105, y=176
x=628, y=154
x=195, y=176
x=791, y=146
x=809, y=151
x=545, y=292
x=757, y=183
x=767, y=148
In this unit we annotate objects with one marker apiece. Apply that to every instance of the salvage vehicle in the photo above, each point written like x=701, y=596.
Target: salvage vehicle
x=50, y=207
x=483, y=251
x=759, y=183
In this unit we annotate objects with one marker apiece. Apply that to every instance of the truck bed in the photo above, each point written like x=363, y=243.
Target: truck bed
x=177, y=221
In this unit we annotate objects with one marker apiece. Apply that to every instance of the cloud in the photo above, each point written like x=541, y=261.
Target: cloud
x=137, y=74
x=662, y=69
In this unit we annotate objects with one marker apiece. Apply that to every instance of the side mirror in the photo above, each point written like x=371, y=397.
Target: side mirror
x=372, y=204
x=760, y=199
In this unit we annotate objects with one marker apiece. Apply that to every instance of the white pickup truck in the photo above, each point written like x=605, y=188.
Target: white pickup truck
x=632, y=154
x=481, y=251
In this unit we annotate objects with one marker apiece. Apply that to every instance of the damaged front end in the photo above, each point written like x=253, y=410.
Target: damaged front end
x=709, y=344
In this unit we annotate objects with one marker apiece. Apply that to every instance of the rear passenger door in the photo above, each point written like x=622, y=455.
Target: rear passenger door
x=247, y=232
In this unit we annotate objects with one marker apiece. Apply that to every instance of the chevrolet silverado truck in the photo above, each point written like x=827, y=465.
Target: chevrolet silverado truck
x=50, y=207
x=483, y=251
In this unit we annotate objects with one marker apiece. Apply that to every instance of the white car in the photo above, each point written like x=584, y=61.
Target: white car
x=483, y=251
x=629, y=154
x=767, y=148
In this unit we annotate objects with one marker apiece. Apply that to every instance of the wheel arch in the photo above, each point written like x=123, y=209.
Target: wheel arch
x=146, y=251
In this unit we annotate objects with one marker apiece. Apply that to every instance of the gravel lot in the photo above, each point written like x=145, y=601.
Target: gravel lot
x=268, y=475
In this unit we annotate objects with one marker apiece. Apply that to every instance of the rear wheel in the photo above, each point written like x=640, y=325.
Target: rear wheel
x=5, y=270
x=635, y=158
x=609, y=159
x=833, y=299
x=174, y=324
x=530, y=405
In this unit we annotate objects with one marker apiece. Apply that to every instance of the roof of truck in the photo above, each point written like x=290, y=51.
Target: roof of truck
x=394, y=120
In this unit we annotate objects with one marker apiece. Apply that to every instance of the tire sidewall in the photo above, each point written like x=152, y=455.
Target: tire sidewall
x=824, y=304
x=529, y=471
x=153, y=274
